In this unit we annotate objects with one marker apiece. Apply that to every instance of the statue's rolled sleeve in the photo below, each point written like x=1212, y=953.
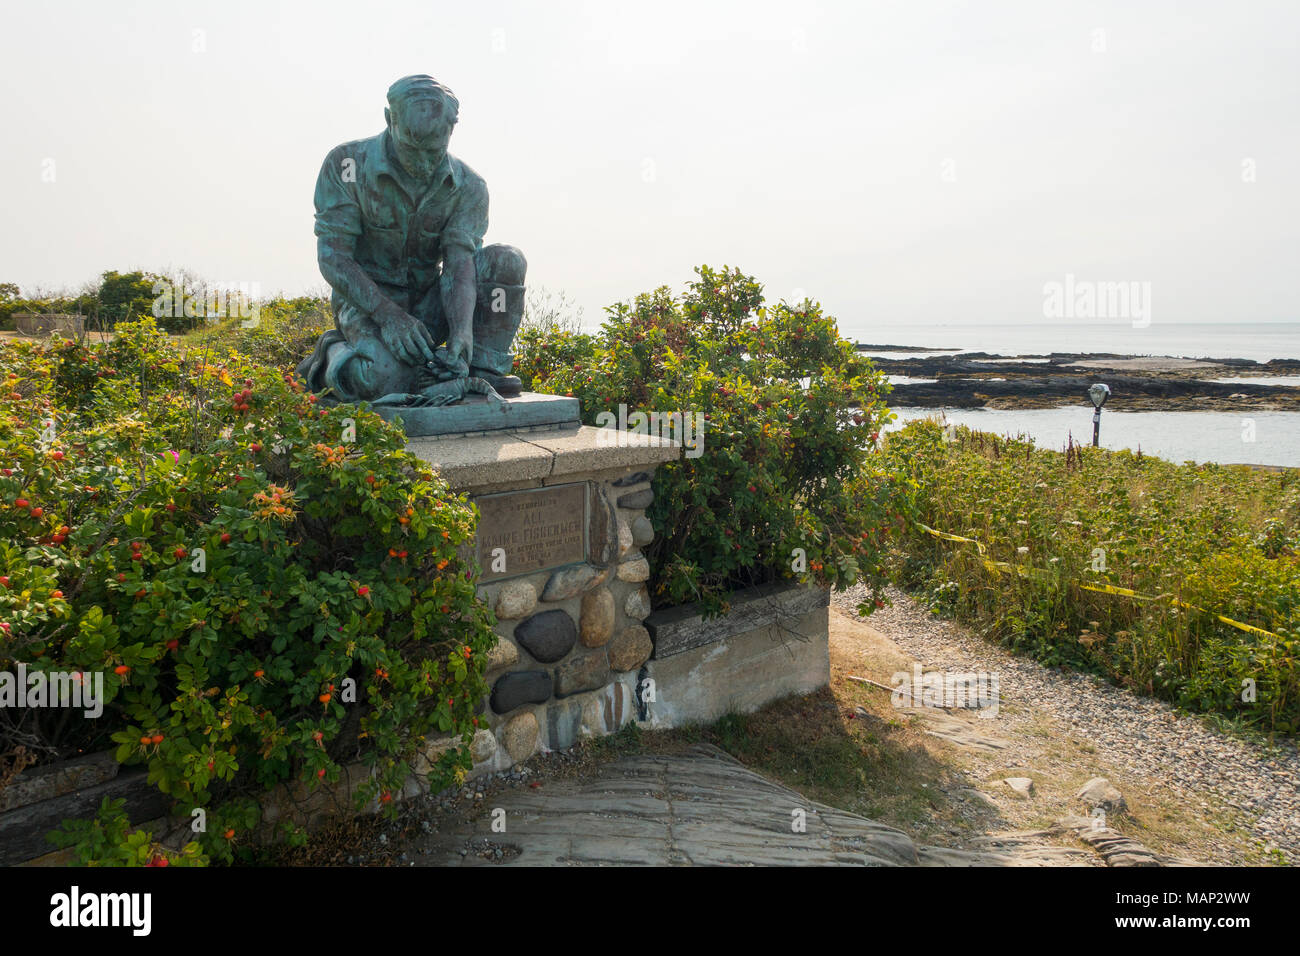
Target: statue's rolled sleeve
x=338, y=215
x=338, y=228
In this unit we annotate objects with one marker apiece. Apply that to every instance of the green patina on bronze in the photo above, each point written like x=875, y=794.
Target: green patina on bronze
x=425, y=313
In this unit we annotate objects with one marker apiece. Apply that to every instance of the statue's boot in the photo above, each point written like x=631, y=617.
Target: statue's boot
x=508, y=386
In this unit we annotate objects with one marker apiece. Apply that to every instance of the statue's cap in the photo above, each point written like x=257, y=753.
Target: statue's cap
x=420, y=84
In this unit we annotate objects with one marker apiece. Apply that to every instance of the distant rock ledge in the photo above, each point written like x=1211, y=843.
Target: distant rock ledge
x=1138, y=383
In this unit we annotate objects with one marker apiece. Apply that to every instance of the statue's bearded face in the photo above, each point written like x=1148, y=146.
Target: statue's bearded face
x=422, y=128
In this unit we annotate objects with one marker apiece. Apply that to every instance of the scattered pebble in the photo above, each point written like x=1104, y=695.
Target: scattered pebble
x=1143, y=736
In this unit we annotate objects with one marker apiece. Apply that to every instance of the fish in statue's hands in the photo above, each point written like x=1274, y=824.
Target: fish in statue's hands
x=443, y=380
x=444, y=393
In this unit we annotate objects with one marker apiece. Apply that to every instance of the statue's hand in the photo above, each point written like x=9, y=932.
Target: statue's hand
x=456, y=366
x=406, y=337
x=460, y=348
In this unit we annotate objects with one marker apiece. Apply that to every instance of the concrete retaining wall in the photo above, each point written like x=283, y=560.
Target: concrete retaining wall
x=39, y=799
x=773, y=644
x=28, y=323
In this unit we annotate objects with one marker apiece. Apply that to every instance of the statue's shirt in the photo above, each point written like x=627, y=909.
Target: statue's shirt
x=397, y=230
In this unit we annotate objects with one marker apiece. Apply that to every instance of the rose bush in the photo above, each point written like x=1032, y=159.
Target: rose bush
x=785, y=485
x=270, y=589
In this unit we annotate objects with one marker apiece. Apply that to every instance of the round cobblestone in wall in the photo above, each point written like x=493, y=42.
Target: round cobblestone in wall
x=593, y=715
x=637, y=604
x=520, y=687
x=596, y=623
x=581, y=672
x=637, y=500
x=515, y=599
x=630, y=648
x=569, y=582
x=520, y=736
x=548, y=636
x=635, y=569
x=643, y=531
x=503, y=654
x=636, y=478
x=603, y=531
x=483, y=747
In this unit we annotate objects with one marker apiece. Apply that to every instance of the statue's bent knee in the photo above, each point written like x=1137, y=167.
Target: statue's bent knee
x=503, y=264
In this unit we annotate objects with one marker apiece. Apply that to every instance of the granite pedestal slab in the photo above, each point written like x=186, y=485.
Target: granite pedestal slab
x=562, y=523
x=479, y=414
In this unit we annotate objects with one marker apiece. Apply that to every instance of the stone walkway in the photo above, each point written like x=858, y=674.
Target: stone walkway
x=700, y=807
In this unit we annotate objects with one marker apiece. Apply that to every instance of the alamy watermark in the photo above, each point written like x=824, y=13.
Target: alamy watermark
x=76, y=909
x=75, y=689
x=945, y=689
x=1086, y=299
x=685, y=428
x=213, y=303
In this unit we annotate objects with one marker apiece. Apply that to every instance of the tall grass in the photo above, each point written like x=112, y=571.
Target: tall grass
x=1225, y=539
x=282, y=334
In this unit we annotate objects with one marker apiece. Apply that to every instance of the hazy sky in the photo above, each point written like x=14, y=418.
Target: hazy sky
x=904, y=162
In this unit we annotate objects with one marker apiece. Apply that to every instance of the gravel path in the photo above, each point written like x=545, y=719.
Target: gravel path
x=1141, y=735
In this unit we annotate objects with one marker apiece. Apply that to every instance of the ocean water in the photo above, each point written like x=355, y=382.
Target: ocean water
x=1248, y=437
x=906, y=355
x=1290, y=381
x=1259, y=341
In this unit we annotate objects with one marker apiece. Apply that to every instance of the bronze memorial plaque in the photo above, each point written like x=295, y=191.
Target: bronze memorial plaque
x=536, y=529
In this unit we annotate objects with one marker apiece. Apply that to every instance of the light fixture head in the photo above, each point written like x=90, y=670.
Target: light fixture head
x=1098, y=394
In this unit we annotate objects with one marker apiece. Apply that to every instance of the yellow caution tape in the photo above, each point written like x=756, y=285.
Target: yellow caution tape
x=1247, y=627
x=951, y=537
x=1113, y=589
x=1042, y=574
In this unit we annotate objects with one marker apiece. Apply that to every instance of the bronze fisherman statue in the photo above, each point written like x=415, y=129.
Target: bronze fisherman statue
x=424, y=312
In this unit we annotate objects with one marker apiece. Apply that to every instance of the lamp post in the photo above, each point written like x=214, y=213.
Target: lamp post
x=1097, y=394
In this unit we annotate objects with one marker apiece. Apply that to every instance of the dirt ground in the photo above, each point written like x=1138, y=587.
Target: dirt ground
x=938, y=775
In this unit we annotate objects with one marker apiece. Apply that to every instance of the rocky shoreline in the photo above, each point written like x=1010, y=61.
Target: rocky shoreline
x=1138, y=383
